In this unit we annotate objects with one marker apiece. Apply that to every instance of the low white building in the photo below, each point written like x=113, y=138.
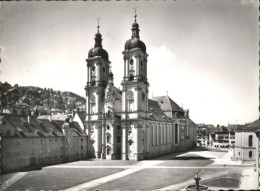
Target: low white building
x=246, y=142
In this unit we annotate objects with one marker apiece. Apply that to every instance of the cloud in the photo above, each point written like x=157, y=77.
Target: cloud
x=161, y=54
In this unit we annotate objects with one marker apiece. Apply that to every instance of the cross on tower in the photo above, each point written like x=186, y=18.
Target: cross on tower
x=135, y=8
x=98, y=23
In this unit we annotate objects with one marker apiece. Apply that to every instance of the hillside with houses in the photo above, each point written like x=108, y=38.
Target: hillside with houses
x=39, y=101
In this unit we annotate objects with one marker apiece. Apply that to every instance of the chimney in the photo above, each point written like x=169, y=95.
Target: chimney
x=29, y=119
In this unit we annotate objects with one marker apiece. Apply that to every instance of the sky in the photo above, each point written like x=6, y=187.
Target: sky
x=203, y=53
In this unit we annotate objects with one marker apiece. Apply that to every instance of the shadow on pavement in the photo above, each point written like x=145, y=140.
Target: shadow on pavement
x=190, y=158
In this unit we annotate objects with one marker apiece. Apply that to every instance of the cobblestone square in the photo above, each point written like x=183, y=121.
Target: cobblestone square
x=174, y=171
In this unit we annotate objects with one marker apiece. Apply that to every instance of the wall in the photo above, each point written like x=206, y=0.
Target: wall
x=242, y=147
x=21, y=153
x=163, y=138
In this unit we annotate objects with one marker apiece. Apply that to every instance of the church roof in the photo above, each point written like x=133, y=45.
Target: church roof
x=252, y=127
x=167, y=104
x=232, y=127
x=39, y=127
x=255, y=124
x=155, y=112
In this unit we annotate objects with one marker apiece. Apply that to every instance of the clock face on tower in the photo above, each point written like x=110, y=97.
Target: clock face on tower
x=130, y=95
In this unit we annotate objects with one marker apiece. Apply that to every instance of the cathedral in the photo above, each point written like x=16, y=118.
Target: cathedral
x=126, y=124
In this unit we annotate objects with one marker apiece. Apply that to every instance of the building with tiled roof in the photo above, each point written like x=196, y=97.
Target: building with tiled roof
x=29, y=142
x=246, y=142
x=126, y=124
x=168, y=106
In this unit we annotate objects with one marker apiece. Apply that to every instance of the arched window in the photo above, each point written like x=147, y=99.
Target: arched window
x=250, y=140
x=108, y=151
x=131, y=70
x=250, y=154
x=158, y=135
x=142, y=71
x=161, y=131
x=165, y=134
x=108, y=138
x=93, y=71
x=118, y=139
x=162, y=135
x=108, y=127
x=176, y=131
x=152, y=135
x=131, y=65
x=108, y=113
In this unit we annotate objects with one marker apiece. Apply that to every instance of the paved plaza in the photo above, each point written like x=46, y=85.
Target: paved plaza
x=168, y=172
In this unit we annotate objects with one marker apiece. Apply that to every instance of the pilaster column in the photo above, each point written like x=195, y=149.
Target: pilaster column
x=98, y=72
x=98, y=102
x=148, y=133
x=145, y=69
x=124, y=67
x=98, y=141
x=103, y=140
x=137, y=66
x=127, y=68
x=124, y=142
x=88, y=75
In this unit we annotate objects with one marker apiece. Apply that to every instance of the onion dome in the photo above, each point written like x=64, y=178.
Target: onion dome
x=135, y=41
x=98, y=50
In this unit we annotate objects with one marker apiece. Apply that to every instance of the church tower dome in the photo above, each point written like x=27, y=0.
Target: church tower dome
x=135, y=41
x=98, y=50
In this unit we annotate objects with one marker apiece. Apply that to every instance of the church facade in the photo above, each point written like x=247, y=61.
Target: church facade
x=126, y=124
